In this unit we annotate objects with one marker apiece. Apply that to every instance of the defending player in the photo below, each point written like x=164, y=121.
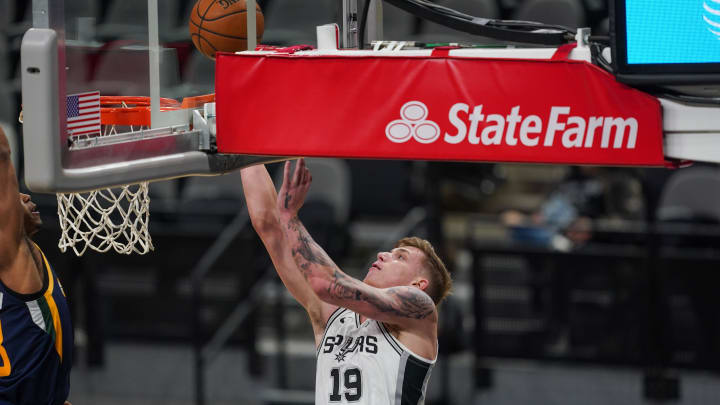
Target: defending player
x=36, y=337
x=376, y=339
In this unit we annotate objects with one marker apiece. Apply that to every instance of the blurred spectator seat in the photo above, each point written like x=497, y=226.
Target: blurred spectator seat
x=398, y=25
x=567, y=13
x=8, y=106
x=164, y=201
x=602, y=28
x=5, y=69
x=13, y=140
x=331, y=183
x=127, y=19
x=19, y=18
x=596, y=6
x=507, y=7
x=124, y=71
x=81, y=17
x=327, y=208
x=227, y=186
x=211, y=199
x=691, y=194
x=380, y=188
x=79, y=58
x=166, y=190
x=293, y=22
x=180, y=31
x=432, y=32
x=8, y=14
x=14, y=83
x=200, y=74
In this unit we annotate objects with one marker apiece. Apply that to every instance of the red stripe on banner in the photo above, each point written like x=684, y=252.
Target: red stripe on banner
x=436, y=108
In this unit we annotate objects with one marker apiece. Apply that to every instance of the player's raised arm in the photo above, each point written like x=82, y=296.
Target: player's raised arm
x=405, y=305
x=11, y=211
x=261, y=198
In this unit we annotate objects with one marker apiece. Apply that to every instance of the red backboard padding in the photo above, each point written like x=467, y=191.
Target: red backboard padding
x=433, y=108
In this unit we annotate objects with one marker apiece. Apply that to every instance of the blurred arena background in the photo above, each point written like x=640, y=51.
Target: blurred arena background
x=574, y=285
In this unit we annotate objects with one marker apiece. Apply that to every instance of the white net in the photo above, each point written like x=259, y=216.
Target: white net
x=104, y=219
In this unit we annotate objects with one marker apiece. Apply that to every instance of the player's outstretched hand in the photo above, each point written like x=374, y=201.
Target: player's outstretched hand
x=294, y=189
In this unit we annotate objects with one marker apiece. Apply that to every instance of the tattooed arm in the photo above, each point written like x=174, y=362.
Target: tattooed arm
x=261, y=199
x=402, y=305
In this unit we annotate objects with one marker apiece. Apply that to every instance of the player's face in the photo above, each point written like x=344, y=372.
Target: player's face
x=401, y=266
x=31, y=215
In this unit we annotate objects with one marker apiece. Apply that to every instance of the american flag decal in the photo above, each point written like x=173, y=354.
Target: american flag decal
x=83, y=113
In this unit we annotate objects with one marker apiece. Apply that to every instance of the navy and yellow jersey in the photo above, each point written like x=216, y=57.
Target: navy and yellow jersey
x=36, y=342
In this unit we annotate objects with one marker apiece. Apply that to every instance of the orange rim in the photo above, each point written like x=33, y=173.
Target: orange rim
x=135, y=111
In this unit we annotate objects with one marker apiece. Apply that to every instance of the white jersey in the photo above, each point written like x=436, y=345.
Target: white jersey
x=364, y=364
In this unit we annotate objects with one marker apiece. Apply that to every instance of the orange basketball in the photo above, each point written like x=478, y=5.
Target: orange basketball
x=221, y=26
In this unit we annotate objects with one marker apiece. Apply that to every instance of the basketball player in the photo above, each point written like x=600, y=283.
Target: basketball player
x=36, y=337
x=376, y=339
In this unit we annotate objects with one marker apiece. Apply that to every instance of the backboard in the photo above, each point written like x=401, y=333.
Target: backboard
x=77, y=51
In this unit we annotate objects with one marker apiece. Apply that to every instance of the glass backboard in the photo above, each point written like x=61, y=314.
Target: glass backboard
x=140, y=48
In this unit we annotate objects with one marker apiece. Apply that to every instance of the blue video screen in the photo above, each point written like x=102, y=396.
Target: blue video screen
x=672, y=31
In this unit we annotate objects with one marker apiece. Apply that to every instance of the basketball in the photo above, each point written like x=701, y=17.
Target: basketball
x=221, y=26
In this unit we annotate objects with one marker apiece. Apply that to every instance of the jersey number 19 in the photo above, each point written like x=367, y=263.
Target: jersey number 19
x=352, y=381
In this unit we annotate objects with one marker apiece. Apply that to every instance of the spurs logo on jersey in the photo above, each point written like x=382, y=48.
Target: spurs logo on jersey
x=364, y=364
x=365, y=344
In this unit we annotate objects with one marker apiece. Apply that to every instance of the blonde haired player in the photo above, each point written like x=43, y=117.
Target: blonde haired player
x=376, y=339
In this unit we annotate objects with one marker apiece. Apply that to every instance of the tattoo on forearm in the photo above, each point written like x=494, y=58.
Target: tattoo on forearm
x=307, y=248
x=403, y=301
x=339, y=289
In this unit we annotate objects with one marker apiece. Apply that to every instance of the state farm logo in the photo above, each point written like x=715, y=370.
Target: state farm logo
x=478, y=126
x=413, y=124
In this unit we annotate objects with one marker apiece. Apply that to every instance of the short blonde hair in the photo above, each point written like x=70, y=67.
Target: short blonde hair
x=440, y=283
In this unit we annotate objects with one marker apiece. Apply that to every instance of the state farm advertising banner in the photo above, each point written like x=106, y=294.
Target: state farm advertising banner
x=433, y=108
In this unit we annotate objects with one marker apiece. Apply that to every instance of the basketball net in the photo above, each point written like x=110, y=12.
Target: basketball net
x=111, y=218
x=106, y=219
